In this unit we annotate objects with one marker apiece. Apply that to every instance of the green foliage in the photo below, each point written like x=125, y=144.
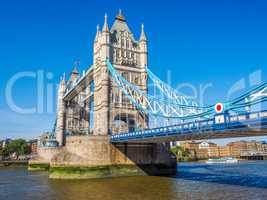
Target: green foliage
x=38, y=167
x=19, y=146
x=181, y=153
x=185, y=153
x=94, y=172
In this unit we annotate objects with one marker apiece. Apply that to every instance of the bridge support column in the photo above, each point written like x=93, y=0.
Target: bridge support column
x=94, y=157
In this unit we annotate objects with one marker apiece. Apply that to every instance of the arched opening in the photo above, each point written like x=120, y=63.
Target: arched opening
x=124, y=122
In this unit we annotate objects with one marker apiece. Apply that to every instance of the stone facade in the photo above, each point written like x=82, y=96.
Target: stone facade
x=111, y=112
x=101, y=152
x=44, y=157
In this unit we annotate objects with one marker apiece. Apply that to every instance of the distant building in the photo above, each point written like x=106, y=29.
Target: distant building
x=224, y=151
x=236, y=148
x=202, y=150
x=264, y=146
x=240, y=147
x=3, y=143
x=33, y=144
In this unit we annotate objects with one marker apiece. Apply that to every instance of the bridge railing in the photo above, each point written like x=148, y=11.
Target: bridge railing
x=253, y=120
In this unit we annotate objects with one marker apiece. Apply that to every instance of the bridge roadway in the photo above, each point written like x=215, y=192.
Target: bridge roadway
x=221, y=126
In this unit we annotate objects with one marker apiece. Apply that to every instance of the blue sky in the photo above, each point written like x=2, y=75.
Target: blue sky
x=197, y=42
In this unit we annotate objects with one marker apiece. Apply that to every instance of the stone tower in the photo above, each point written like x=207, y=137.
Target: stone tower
x=108, y=110
x=129, y=57
x=60, y=123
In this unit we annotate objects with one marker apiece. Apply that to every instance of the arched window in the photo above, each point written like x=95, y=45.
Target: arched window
x=117, y=97
x=114, y=54
x=127, y=44
x=136, y=80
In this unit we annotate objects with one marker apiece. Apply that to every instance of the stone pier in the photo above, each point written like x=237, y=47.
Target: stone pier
x=94, y=157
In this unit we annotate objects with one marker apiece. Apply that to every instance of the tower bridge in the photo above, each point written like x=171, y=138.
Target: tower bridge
x=105, y=114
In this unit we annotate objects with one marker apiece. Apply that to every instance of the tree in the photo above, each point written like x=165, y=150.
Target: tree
x=1, y=152
x=181, y=153
x=19, y=147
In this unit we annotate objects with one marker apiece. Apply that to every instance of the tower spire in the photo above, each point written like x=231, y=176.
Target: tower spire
x=64, y=77
x=120, y=16
x=143, y=35
x=97, y=32
x=105, y=26
x=75, y=73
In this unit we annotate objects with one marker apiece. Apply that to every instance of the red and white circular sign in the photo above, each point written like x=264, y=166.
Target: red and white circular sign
x=219, y=107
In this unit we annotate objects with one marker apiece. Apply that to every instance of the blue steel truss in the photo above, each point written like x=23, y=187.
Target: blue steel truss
x=171, y=93
x=179, y=106
x=253, y=97
x=237, y=114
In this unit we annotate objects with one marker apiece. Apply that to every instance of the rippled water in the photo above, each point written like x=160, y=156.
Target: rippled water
x=246, y=180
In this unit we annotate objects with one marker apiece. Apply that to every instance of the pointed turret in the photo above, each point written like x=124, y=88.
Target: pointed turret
x=74, y=74
x=143, y=48
x=97, y=33
x=105, y=41
x=105, y=26
x=60, y=111
x=62, y=81
x=64, y=77
x=143, y=35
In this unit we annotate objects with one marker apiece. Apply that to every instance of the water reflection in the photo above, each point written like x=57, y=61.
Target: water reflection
x=115, y=188
x=247, y=174
x=194, y=181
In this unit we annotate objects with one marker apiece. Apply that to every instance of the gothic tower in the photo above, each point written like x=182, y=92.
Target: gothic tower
x=113, y=112
x=108, y=109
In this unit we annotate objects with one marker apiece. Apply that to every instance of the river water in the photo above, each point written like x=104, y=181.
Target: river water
x=246, y=180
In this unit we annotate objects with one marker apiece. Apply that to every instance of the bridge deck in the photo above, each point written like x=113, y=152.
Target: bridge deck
x=253, y=124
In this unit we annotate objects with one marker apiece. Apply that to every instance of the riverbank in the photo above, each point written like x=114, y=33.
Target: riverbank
x=5, y=163
x=38, y=166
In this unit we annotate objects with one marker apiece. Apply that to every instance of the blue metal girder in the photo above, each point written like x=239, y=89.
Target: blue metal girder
x=245, y=125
